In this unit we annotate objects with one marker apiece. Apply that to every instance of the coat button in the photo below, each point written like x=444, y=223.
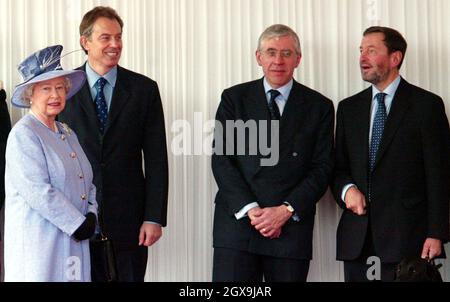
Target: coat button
x=83, y=197
x=63, y=137
x=295, y=154
x=81, y=176
x=73, y=155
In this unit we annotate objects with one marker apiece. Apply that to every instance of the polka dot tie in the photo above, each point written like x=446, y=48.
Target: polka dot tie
x=377, y=129
x=100, y=104
x=273, y=107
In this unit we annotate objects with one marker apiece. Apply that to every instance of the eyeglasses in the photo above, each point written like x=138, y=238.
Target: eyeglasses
x=271, y=53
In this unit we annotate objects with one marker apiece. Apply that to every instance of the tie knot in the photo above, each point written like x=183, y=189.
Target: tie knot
x=101, y=82
x=274, y=94
x=380, y=97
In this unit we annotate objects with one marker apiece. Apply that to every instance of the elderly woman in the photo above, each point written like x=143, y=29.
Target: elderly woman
x=50, y=207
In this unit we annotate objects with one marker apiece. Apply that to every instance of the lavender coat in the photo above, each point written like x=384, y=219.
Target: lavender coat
x=48, y=185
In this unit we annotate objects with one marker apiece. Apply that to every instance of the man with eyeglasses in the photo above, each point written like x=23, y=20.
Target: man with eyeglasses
x=264, y=214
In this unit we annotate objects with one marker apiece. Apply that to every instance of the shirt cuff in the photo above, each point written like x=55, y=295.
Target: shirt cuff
x=151, y=222
x=344, y=191
x=243, y=212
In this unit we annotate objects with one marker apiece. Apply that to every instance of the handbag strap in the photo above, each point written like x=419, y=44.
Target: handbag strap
x=101, y=223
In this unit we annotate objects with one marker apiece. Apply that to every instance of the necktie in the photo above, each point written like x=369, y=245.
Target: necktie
x=273, y=107
x=100, y=104
x=377, y=129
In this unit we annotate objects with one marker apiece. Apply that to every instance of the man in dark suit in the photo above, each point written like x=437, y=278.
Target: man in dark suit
x=5, y=127
x=118, y=117
x=392, y=166
x=265, y=207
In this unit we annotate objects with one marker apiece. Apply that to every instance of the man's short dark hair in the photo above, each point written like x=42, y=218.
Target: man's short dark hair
x=393, y=40
x=91, y=16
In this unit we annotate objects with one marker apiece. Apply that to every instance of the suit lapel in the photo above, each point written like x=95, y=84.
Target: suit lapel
x=360, y=121
x=400, y=105
x=291, y=113
x=119, y=98
x=256, y=103
x=256, y=108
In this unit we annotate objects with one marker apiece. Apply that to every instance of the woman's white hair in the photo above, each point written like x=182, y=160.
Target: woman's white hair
x=28, y=92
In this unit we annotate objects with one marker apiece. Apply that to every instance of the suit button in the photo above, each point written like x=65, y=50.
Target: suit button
x=63, y=137
x=73, y=155
x=81, y=176
x=83, y=197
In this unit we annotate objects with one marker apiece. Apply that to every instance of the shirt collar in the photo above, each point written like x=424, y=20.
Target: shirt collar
x=390, y=90
x=284, y=90
x=92, y=76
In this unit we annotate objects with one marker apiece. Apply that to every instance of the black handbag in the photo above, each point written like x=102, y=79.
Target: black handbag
x=418, y=270
x=105, y=245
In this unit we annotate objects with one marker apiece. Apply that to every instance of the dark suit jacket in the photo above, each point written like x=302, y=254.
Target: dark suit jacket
x=5, y=127
x=410, y=181
x=301, y=176
x=135, y=126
